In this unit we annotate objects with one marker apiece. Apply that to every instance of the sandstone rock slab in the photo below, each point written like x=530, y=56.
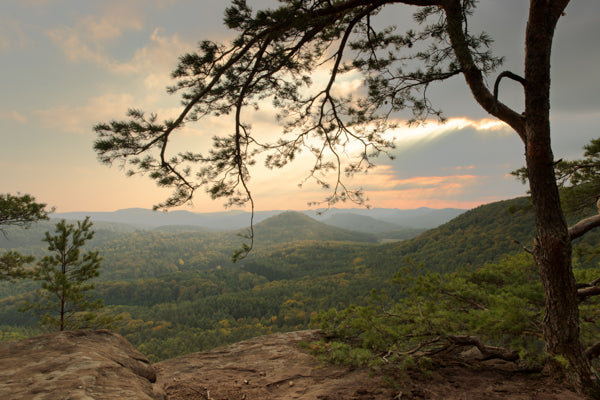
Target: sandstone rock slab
x=76, y=365
x=271, y=367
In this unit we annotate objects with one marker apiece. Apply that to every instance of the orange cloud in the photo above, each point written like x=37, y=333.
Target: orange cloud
x=383, y=177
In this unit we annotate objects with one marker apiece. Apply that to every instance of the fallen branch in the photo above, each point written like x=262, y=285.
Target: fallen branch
x=488, y=352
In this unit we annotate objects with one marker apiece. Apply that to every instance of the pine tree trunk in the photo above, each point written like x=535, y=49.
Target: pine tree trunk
x=552, y=248
x=552, y=253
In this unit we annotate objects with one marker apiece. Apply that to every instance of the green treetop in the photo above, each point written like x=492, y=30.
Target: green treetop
x=65, y=302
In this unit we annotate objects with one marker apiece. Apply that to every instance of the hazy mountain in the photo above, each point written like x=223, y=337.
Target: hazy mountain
x=232, y=220
x=183, y=229
x=291, y=226
x=148, y=219
x=361, y=223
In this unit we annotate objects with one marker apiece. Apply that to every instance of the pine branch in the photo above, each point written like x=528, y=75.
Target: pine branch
x=506, y=74
x=464, y=299
x=525, y=249
x=421, y=345
x=474, y=75
x=589, y=289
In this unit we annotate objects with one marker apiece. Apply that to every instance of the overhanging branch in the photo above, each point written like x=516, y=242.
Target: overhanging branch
x=474, y=76
x=584, y=226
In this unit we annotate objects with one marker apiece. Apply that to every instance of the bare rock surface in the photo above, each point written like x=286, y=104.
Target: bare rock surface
x=275, y=367
x=266, y=367
x=100, y=365
x=76, y=365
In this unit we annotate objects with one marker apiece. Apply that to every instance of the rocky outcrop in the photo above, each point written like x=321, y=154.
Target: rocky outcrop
x=269, y=367
x=100, y=365
x=76, y=365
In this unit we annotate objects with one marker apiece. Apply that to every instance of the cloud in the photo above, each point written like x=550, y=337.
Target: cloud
x=405, y=135
x=157, y=59
x=418, y=198
x=13, y=116
x=347, y=86
x=384, y=188
x=34, y=3
x=147, y=72
x=80, y=119
x=74, y=46
x=87, y=42
x=90, y=38
x=11, y=34
x=461, y=167
x=383, y=177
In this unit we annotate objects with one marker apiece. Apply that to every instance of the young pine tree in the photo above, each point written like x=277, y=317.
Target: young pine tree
x=64, y=299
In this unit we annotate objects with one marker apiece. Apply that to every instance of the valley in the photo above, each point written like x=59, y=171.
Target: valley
x=176, y=291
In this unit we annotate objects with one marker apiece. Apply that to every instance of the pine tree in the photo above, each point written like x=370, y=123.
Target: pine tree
x=21, y=211
x=64, y=298
x=273, y=57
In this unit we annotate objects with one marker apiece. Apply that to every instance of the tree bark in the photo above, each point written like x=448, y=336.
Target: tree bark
x=552, y=247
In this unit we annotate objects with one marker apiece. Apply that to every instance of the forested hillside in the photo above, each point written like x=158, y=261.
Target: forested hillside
x=484, y=234
x=177, y=291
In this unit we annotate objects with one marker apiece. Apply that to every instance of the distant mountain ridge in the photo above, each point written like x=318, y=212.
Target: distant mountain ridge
x=293, y=226
x=220, y=232
x=373, y=220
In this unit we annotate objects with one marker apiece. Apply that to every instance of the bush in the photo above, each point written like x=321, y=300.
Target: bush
x=498, y=308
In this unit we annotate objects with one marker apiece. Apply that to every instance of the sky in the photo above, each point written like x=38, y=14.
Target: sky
x=70, y=64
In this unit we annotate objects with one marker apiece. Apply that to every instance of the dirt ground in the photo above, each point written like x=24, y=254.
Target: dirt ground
x=275, y=367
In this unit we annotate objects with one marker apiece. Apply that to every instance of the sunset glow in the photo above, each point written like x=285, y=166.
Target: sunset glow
x=70, y=65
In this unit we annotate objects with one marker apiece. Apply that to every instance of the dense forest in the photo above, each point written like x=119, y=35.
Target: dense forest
x=175, y=289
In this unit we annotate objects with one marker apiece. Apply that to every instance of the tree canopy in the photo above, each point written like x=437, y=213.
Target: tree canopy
x=18, y=210
x=272, y=58
x=579, y=180
x=65, y=274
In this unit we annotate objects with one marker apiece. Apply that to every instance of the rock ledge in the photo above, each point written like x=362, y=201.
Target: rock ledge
x=76, y=365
